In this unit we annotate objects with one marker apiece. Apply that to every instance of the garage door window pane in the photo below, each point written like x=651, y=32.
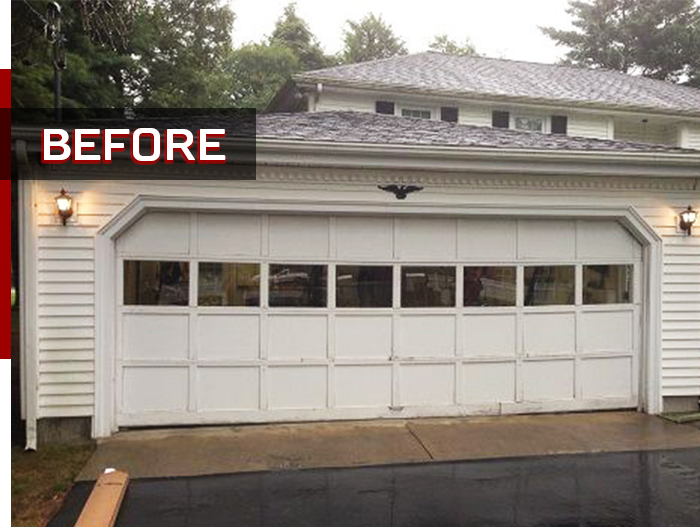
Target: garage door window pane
x=550, y=285
x=489, y=286
x=363, y=286
x=607, y=284
x=427, y=286
x=298, y=285
x=156, y=283
x=229, y=284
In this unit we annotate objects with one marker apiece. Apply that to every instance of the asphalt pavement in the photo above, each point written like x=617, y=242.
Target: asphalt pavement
x=659, y=488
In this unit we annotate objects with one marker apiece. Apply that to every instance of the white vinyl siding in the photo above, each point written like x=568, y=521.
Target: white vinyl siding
x=638, y=132
x=586, y=125
x=65, y=266
x=689, y=136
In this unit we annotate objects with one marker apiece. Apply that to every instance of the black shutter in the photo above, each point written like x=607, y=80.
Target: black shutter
x=559, y=124
x=386, y=107
x=500, y=119
x=449, y=114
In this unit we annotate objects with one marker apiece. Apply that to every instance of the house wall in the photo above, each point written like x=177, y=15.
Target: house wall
x=65, y=256
x=650, y=132
x=689, y=136
x=593, y=125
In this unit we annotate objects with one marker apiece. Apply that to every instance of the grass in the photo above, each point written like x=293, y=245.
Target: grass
x=41, y=480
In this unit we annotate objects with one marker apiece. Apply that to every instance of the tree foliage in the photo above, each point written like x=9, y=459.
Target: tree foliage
x=292, y=32
x=258, y=71
x=95, y=75
x=369, y=39
x=654, y=38
x=444, y=44
x=181, y=48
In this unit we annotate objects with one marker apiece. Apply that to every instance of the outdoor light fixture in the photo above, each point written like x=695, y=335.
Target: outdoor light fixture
x=64, y=203
x=688, y=218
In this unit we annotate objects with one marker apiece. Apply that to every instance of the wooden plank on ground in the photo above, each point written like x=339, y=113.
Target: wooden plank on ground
x=102, y=507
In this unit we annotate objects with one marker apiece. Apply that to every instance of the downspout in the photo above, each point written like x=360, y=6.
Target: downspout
x=27, y=304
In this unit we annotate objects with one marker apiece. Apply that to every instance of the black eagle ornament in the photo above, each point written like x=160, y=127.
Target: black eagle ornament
x=400, y=191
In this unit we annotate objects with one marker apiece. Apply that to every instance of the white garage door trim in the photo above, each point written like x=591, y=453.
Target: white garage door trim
x=107, y=275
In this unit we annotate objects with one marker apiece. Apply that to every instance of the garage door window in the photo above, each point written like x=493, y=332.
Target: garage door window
x=489, y=286
x=427, y=286
x=229, y=284
x=607, y=284
x=549, y=285
x=298, y=285
x=150, y=283
x=364, y=286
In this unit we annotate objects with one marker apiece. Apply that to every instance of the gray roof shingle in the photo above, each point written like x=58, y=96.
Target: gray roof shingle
x=508, y=79
x=369, y=128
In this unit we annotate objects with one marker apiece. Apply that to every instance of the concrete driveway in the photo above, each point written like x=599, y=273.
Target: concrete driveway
x=237, y=449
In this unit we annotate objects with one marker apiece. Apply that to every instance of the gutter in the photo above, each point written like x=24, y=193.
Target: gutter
x=478, y=159
x=411, y=90
x=291, y=152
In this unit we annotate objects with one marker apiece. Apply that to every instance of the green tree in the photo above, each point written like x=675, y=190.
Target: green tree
x=293, y=32
x=369, y=39
x=181, y=48
x=445, y=44
x=654, y=38
x=258, y=71
x=96, y=71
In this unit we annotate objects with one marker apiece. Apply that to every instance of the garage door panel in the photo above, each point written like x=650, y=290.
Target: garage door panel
x=155, y=337
x=297, y=336
x=426, y=336
x=549, y=333
x=546, y=240
x=299, y=237
x=427, y=385
x=548, y=380
x=488, y=382
x=228, y=337
x=155, y=390
x=370, y=239
x=159, y=233
x=297, y=387
x=221, y=388
x=359, y=337
x=607, y=331
x=607, y=377
x=487, y=240
x=363, y=386
x=366, y=344
x=605, y=239
x=490, y=335
x=427, y=239
x=229, y=235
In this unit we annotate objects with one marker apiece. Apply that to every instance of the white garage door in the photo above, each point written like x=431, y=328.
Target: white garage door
x=249, y=318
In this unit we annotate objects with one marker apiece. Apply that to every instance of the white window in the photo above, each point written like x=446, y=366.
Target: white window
x=416, y=113
x=529, y=124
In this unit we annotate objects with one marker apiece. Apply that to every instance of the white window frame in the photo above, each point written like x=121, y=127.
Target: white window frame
x=546, y=122
x=401, y=108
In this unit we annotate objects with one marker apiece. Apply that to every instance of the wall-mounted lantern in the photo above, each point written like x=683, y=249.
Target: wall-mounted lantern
x=64, y=204
x=688, y=218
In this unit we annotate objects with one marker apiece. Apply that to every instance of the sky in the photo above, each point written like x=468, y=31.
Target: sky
x=498, y=28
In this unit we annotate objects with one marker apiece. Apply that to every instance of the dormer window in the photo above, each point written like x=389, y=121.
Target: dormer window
x=416, y=113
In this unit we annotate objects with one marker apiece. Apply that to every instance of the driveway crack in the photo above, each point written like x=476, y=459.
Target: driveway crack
x=419, y=440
